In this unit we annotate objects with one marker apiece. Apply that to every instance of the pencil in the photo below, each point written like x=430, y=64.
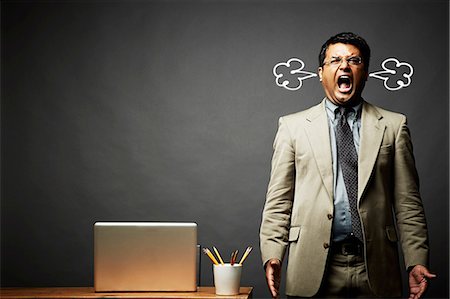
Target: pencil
x=218, y=255
x=210, y=255
x=234, y=257
x=247, y=252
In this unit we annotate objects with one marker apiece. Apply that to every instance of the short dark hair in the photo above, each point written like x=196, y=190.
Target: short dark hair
x=347, y=38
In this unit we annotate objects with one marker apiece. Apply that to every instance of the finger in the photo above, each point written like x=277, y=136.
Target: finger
x=429, y=275
x=274, y=293
x=423, y=287
x=276, y=285
x=273, y=289
x=272, y=283
x=269, y=273
x=412, y=296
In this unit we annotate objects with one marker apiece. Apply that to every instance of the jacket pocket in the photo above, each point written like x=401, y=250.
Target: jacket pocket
x=294, y=233
x=391, y=233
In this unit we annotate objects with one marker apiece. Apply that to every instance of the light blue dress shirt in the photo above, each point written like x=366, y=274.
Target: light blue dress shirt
x=342, y=221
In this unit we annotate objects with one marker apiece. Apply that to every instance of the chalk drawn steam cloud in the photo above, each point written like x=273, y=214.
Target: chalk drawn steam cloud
x=395, y=74
x=290, y=74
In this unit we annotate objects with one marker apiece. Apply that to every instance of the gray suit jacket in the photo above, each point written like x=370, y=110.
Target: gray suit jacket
x=299, y=202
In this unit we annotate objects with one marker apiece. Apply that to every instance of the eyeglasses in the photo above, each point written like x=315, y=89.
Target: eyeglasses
x=335, y=61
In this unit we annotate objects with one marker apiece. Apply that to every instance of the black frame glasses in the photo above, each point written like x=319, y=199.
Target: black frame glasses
x=336, y=61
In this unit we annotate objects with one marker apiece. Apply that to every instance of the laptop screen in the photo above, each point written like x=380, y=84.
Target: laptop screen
x=145, y=256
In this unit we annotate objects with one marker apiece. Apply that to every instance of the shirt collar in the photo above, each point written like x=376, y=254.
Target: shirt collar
x=331, y=108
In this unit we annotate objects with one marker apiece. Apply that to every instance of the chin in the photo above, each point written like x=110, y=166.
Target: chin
x=344, y=100
x=347, y=98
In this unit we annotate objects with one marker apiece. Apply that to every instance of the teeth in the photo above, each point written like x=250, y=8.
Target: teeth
x=345, y=83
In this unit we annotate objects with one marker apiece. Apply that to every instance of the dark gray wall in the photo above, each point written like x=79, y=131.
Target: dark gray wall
x=167, y=110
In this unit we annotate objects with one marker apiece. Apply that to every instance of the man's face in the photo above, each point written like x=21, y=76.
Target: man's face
x=343, y=82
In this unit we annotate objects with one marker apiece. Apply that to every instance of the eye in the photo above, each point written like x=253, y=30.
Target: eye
x=354, y=60
x=335, y=60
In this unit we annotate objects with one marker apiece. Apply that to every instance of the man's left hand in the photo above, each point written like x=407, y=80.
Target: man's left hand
x=418, y=281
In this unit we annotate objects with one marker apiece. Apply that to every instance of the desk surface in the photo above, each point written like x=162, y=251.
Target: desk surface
x=88, y=292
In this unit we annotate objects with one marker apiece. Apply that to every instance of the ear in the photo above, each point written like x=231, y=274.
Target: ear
x=320, y=73
x=366, y=76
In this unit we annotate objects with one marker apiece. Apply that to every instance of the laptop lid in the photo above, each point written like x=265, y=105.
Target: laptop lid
x=145, y=256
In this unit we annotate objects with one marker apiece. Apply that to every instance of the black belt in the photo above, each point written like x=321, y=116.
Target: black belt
x=348, y=247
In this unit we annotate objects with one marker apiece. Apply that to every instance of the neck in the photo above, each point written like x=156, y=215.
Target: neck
x=352, y=103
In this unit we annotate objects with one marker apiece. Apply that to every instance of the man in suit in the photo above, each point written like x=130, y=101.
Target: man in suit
x=343, y=190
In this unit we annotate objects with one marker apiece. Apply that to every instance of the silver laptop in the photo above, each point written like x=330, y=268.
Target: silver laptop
x=145, y=256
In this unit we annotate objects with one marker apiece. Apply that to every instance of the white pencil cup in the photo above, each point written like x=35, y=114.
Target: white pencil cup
x=227, y=279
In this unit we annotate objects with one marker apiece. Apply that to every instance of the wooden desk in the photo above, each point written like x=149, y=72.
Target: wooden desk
x=88, y=292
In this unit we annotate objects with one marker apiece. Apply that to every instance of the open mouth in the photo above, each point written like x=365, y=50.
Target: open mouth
x=344, y=83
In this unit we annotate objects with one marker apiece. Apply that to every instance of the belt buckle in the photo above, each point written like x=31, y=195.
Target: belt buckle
x=351, y=248
x=346, y=249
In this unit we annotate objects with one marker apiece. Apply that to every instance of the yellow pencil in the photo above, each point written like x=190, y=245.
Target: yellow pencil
x=247, y=252
x=218, y=255
x=210, y=255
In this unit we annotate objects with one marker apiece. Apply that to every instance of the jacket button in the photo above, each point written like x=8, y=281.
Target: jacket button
x=326, y=245
x=330, y=216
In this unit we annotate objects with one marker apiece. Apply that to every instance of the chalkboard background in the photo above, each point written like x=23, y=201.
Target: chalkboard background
x=167, y=110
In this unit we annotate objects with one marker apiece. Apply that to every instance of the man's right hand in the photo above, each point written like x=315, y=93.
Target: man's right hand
x=273, y=276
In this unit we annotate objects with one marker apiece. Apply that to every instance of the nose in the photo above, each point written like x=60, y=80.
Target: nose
x=344, y=64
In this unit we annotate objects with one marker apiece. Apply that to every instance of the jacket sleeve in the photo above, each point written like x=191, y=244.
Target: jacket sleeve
x=279, y=198
x=408, y=206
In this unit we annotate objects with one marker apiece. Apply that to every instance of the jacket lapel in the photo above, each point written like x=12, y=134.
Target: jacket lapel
x=319, y=138
x=371, y=135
